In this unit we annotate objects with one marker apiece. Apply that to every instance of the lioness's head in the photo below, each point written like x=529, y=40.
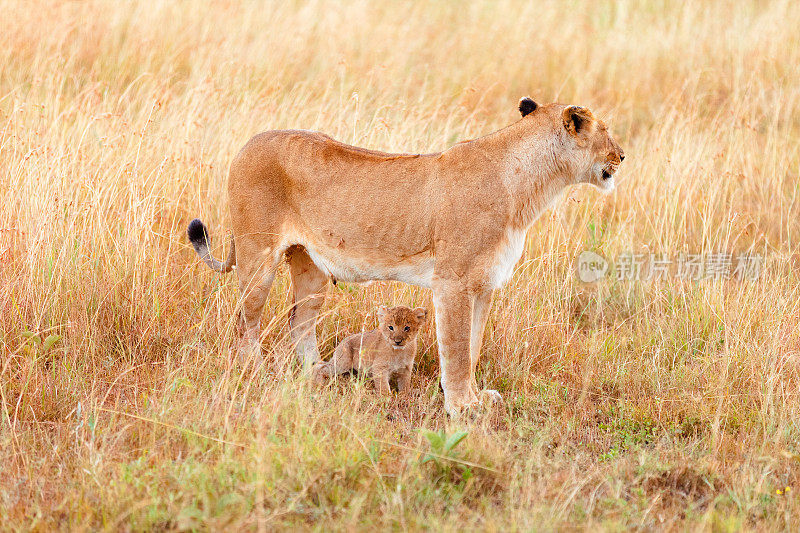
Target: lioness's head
x=591, y=153
x=400, y=324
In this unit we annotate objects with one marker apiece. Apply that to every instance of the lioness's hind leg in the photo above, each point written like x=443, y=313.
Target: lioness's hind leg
x=255, y=280
x=309, y=284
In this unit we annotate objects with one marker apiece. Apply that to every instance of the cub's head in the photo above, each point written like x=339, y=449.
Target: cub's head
x=399, y=325
x=589, y=151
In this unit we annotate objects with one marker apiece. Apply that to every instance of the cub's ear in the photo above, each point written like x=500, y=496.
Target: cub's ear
x=382, y=311
x=421, y=313
x=576, y=119
x=527, y=106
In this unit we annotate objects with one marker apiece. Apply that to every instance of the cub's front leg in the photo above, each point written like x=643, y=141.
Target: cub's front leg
x=404, y=379
x=380, y=377
x=381, y=372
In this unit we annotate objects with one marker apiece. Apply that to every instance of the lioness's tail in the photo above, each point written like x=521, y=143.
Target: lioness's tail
x=198, y=236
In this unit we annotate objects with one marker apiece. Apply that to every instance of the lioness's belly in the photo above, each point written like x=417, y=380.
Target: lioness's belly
x=416, y=270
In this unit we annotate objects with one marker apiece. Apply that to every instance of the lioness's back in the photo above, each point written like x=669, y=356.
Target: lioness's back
x=307, y=142
x=310, y=174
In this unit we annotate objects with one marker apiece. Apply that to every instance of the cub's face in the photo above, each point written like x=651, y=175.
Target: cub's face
x=596, y=154
x=399, y=325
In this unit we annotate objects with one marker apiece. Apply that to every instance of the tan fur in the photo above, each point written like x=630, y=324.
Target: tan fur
x=454, y=221
x=385, y=352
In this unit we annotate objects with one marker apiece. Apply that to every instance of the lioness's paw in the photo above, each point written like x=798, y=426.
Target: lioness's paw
x=473, y=405
x=248, y=354
x=491, y=397
x=462, y=407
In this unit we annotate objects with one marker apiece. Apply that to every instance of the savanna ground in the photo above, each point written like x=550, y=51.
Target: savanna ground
x=669, y=404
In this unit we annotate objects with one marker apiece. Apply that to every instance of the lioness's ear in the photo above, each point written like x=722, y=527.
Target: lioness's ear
x=382, y=310
x=576, y=119
x=421, y=313
x=527, y=106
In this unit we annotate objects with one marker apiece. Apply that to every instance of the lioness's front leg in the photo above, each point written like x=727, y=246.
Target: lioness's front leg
x=481, y=304
x=453, y=324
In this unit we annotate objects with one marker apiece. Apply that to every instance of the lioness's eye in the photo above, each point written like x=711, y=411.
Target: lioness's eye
x=407, y=328
x=391, y=328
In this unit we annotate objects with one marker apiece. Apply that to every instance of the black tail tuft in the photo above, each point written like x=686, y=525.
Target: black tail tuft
x=198, y=235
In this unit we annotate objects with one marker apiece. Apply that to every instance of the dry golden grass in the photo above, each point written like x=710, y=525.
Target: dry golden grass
x=667, y=405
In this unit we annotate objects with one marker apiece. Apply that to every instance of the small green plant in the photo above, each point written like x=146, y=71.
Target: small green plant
x=628, y=430
x=447, y=462
x=38, y=346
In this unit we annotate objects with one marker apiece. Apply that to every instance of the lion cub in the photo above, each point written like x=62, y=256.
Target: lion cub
x=386, y=352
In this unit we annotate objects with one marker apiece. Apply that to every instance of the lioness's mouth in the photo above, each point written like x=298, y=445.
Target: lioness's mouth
x=606, y=175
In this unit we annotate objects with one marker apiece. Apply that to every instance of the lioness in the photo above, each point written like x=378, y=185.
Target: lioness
x=385, y=352
x=454, y=221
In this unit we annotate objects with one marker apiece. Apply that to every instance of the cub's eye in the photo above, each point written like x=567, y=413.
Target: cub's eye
x=407, y=328
x=391, y=328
